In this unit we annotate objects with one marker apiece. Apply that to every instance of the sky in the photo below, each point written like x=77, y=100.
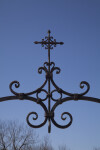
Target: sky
x=77, y=24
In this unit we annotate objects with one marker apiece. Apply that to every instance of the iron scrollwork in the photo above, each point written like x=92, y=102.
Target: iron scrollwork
x=49, y=68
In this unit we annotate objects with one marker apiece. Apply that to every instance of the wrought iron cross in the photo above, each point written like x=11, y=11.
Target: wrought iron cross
x=49, y=43
x=49, y=68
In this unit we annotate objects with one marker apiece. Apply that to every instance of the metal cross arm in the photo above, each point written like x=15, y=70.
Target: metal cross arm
x=35, y=96
x=52, y=42
x=49, y=42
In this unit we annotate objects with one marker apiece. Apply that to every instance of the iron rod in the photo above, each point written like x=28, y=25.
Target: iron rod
x=49, y=107
x=49, y=68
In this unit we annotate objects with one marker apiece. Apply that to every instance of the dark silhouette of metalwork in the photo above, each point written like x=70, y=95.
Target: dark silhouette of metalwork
x=49, y=67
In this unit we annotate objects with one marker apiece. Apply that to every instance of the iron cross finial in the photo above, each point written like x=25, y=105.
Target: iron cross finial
x=49, y=31
x=49, y=92
x=48, y=42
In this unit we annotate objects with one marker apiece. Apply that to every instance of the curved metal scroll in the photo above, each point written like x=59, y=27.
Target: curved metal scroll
x=49, y=115
x=49, y=112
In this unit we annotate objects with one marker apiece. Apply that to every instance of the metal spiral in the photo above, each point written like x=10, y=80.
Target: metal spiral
x=63, y=118
x=16, y=84
x=35, y=118
x=42, y=68
x=82, y=84
x=49, y=68
x=58, y=70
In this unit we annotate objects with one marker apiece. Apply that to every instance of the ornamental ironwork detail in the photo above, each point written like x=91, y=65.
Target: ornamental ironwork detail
x=49, y=67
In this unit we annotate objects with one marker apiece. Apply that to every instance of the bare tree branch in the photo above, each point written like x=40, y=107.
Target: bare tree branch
x=14, y=136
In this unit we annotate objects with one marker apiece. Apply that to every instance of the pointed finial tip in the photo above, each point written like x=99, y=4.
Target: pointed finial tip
x=61, y=43
x=35, y=42
x=49, y=31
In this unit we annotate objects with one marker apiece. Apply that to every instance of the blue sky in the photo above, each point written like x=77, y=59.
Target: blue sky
x=77, y=24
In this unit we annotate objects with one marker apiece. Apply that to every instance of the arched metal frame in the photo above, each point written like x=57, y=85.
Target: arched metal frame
x=49, y=68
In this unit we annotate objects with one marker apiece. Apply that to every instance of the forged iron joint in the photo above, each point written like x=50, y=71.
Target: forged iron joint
x=49, y=95
x=49, y=75
x=21, y=96
x=60, y=90
x=38, y=101
x=60, y=101
x=76, y=97
x=49, y=115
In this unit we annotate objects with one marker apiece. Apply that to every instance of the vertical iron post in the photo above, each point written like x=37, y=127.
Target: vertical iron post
x=49, y=68
x=49, y=121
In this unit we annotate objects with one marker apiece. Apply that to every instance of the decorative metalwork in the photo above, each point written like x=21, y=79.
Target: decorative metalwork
x=49, y=68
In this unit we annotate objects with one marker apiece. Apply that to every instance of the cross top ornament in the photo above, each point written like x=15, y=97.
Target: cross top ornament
x=48, y=42
x=35, y=96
